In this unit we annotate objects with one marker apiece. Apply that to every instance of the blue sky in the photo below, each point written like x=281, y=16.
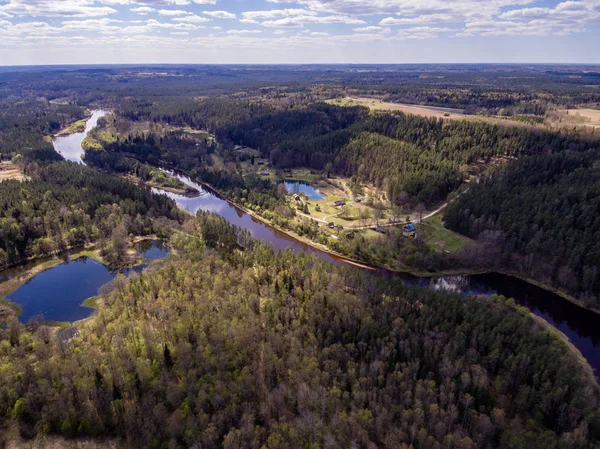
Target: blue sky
x=298, y=31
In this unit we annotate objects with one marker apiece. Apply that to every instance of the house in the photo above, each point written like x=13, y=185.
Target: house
x=264, y=172
x=410, y=227
x=339, y=203
x=408, y=234
x=380, y=229
x=260, y=162
x=297, y=197
x=331, y=225
x=350, y=236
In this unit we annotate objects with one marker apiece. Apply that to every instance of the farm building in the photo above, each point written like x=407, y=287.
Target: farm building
x=339, y=203
x=350, y=236
x=331, y=225
x=410, y=227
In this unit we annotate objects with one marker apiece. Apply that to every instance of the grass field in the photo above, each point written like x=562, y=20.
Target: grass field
x=378, y=105
x=437, y=236
x=587, y=116
x=10, y=171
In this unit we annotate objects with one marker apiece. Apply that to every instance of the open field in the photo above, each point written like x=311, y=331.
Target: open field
x=378, y=105
x=438, y=237
x=10, y=171
x=587, y=116
x=438, y=112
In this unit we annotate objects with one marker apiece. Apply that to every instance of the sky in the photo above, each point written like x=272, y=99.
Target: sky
x=37, y=32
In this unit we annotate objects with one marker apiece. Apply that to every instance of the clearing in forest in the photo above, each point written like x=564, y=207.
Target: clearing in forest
x=588, y=116
x=8, y=170
x=378, y=105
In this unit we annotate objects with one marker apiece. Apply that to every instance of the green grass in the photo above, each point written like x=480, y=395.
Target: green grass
x=92, y=302
x=433, y=231
x=77, y=127
x=60, y=324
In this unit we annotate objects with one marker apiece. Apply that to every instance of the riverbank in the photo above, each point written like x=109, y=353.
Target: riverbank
x=75, y=127
x=588, y=370
x=564, y=295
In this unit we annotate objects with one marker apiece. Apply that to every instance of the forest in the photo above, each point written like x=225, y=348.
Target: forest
x=68, y=205
x=547, y=209
x=229, y=344
x=24, y=127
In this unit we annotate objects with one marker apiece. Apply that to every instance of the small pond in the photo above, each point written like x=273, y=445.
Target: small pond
x=58, y=293
x=312, y=193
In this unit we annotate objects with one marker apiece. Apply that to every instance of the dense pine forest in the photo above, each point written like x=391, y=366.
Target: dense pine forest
x=68, y=205
x=547, y=209
x=246, y=348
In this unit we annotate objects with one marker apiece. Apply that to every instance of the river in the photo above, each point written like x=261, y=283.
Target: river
x=582, y=327
x=69, y=146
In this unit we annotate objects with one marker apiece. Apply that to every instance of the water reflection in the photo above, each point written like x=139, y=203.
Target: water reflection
x=57, y=293
x=69, y=146
x=581, y=326
x=311, y=192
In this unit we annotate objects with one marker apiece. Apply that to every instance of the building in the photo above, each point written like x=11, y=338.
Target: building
x=331, y=225
x=339, y=203
x=380, y=229
x=410, y=227
x=264, y=172
x=350, y=236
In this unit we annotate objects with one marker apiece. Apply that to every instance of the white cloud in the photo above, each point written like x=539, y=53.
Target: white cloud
x=192, y=19
x=423, y=32
x=369, y=29
x=51, y=8
x=172, y=12
x=406, y=7
x=220, y=14
x=240, y=32
x=276, y=14
x=299, y=21
x=143, y=10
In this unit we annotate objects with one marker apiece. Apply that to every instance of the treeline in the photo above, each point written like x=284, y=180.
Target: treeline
x=547, y=209
x=233, y=347
x=428, y=155
x=415, y=159
x=68, y=205
x=176, y=150
x=24, y=127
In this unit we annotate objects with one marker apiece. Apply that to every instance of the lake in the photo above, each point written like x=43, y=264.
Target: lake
x=312, y=193
x=58, y=293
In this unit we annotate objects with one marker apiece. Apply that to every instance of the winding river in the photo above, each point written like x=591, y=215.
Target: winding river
x=69, y=146
x=582, y=327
